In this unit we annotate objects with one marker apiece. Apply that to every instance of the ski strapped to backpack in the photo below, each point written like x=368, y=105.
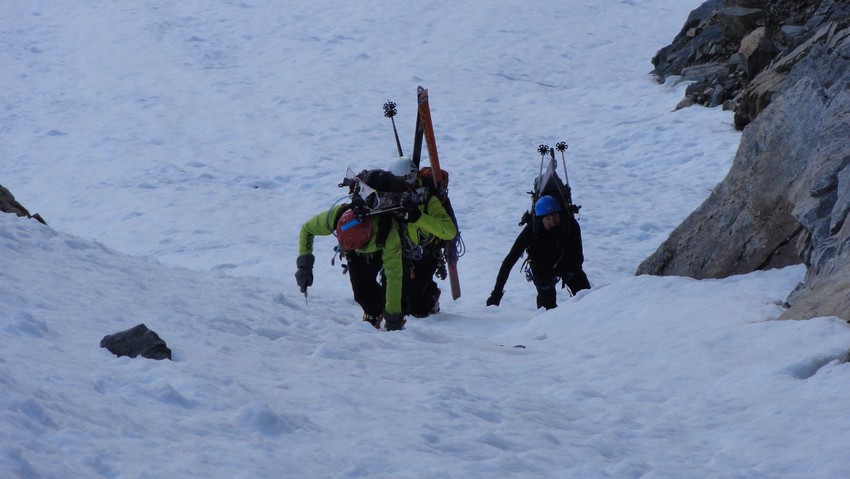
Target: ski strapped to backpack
x=452, y=249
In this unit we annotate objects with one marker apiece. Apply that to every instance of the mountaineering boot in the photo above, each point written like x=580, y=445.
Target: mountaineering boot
x=395, y=322
x=436, y=308
x=424, y=308
x=375, y=321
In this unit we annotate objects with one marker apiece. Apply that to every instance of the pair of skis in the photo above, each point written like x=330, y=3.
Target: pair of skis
x=425, y=128
x=425, y=131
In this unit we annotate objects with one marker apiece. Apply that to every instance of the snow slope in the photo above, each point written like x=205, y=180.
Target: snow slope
x=175, y=148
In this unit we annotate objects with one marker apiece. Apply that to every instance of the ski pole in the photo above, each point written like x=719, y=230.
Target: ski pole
x=542, y=149
x=561, y=146
x=390, y=112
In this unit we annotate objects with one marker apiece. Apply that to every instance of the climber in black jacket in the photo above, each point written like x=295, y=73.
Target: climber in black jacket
x=553, y=243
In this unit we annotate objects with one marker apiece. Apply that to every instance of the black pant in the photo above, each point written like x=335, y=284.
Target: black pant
x=546, y=292
x=420, y=287
x=369, y=291
x=546, y=283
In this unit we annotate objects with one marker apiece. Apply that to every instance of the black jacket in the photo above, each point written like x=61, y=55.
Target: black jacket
x=552, y=253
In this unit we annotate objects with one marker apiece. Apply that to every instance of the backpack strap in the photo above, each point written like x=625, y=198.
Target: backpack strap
x=385, y=225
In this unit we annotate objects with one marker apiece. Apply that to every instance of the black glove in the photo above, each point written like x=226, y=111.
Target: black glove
x=576, y=281
x=394, y=322
x=304, y=274
x=412, y=213
x=495, y=298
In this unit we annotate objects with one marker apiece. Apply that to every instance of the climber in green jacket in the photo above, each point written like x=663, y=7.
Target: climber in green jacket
x=371, y=246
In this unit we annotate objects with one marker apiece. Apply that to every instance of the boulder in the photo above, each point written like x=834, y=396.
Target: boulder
x=756, y=51
x=737, y=22
x=136, y=341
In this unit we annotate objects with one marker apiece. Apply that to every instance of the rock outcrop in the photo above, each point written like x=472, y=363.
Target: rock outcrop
x=787, y=196
x=738, y=53
x=8, y=204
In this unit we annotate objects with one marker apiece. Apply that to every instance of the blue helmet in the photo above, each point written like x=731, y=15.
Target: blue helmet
x=546, y=205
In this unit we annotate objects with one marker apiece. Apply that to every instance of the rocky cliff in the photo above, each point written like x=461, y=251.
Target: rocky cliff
x=784, y=67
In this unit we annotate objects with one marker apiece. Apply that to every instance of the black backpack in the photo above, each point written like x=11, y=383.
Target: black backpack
x=548, y=183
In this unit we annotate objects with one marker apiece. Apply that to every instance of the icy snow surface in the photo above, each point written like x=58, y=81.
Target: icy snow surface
x=175, y=148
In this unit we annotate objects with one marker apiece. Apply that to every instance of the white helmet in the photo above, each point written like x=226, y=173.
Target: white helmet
x=404, y=167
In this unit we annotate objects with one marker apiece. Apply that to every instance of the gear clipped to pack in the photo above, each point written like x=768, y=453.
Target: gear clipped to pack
x=379, y=191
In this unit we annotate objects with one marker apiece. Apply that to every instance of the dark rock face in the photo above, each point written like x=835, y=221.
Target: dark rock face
x=8, y=204
x=787, y=195
x=772, y=81
x=738, y=53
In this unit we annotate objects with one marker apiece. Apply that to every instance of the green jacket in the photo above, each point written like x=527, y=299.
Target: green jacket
x=391, y=253
x=435, y=223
